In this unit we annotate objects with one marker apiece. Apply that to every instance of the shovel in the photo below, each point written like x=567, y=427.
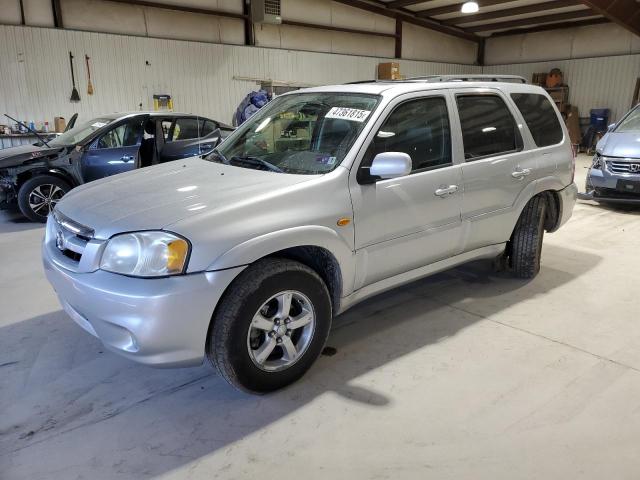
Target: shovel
x=75, y=96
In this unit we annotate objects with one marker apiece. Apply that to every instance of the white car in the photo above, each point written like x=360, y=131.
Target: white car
x=323, y=198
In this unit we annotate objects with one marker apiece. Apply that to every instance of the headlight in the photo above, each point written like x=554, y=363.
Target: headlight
x=145, y=254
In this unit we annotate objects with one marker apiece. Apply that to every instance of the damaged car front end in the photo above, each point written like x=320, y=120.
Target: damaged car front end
x=614, y=175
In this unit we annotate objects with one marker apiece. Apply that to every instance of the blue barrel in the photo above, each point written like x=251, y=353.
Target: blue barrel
x=600, y=119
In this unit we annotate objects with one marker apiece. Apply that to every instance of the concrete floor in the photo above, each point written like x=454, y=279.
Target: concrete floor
x=464, y=375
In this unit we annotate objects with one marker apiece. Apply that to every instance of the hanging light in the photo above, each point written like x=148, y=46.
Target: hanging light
x=469, y=7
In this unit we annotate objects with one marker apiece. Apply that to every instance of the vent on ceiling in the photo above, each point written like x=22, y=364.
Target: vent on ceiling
x=266, y=11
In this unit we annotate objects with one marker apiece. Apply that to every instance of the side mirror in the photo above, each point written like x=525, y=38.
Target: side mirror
x=390, y=165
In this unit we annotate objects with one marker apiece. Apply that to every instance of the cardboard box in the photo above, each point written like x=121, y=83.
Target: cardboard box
x=389, y=71
x=59, y=124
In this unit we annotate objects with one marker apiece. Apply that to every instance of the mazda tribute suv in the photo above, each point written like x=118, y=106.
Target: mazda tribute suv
x=325, y=197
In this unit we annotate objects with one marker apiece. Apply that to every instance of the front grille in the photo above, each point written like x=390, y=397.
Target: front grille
x=70, y=237
x=615, y=166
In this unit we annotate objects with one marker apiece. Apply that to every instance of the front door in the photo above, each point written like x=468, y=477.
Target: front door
x=408, y=222
x=116, y=151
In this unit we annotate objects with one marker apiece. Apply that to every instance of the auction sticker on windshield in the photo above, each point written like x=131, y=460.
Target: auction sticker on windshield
x=352, y=114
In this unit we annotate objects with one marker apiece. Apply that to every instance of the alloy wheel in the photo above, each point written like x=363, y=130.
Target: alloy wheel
x=44, y=198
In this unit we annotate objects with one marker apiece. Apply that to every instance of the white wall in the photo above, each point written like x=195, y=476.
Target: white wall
x=581, y=42
x=111, y=17
x=36, y=82
x=603, y=82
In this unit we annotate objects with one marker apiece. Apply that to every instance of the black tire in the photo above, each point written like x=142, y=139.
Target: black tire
x=526, y=241
x=51, y=188
x=227, y=345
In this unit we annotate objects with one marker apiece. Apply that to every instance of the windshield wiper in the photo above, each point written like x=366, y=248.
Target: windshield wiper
x=255, y=162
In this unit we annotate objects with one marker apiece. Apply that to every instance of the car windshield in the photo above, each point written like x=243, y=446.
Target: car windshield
x=631, y=124
x=302, y=133
x=80, y=132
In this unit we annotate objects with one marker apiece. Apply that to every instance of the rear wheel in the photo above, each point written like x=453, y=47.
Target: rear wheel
x=270, y=326
x=526, y=241
x=39, y=195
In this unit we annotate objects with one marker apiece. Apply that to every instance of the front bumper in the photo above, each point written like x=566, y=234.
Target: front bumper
x=160, y=322
x=602, y=186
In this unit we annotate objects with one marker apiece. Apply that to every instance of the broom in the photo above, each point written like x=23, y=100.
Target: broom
x=89, y=85
x=75, y=96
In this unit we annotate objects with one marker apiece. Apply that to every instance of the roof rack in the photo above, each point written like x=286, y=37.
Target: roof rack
x=468, y=78
x=451, y=78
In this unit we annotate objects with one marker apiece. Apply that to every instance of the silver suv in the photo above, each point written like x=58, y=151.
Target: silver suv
x=325, y=197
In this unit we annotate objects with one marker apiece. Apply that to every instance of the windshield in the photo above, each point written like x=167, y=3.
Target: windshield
x=304, y=133
x=631, y=124
x=80, y=132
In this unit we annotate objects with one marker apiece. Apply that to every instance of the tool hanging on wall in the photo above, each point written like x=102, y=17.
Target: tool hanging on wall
x=89, y=85
x=75, y=96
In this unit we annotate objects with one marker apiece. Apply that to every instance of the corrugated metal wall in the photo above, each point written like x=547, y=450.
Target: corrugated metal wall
x=35, y=80
x=605, y=82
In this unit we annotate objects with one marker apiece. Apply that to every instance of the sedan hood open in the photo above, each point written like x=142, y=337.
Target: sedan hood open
x=154, y=197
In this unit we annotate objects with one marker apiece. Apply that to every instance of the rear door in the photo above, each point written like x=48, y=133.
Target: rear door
x=115, y=151
x=496, y=166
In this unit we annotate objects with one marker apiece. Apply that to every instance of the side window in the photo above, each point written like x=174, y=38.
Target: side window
x=540, y=116
x=419, y=128
x=125, y=135
x=186, y=129
x=166, y=129
x=488, y=128
x=207, y=127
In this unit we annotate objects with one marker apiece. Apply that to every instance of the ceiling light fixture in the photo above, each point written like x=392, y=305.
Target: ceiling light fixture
x=469, y=7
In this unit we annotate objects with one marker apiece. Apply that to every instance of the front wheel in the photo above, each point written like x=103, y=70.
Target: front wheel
x=39, y=195
x=270, y=326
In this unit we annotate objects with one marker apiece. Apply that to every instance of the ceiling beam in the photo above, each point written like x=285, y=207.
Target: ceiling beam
x=625, y=13
x=180, y=8
x=404, y=3
x=409, y=18
x=337, y=29
x=432, y=12
x=553, y=26
x=538, y=7
x=532, y=21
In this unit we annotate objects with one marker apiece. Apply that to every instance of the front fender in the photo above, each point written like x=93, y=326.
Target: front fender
x=310, y=235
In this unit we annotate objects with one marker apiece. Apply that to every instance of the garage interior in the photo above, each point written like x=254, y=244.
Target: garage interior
x=465, y=374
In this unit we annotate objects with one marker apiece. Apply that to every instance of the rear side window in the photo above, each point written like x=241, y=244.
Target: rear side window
x=540, y=116
x=488, y=128
x=186, y=129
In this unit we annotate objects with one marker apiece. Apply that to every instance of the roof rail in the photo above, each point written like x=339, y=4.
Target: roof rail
x=468, y=78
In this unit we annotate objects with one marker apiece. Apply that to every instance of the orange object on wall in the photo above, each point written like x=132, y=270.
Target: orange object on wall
x=554, y=79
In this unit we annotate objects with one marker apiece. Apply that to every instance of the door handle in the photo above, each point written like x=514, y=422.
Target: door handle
x=521, y=173
x=443, y=191
x=127, y=158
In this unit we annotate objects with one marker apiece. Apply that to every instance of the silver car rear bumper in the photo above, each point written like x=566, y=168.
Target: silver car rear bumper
x=160, y=322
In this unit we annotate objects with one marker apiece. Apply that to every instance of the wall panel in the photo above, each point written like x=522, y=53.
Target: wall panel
x=202, y=77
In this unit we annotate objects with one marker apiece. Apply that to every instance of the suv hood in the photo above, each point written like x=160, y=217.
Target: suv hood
x=620, y=145
x=154, y=197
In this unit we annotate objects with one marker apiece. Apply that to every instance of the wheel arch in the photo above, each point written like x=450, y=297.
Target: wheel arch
x=35, y=172
x=319, y=248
